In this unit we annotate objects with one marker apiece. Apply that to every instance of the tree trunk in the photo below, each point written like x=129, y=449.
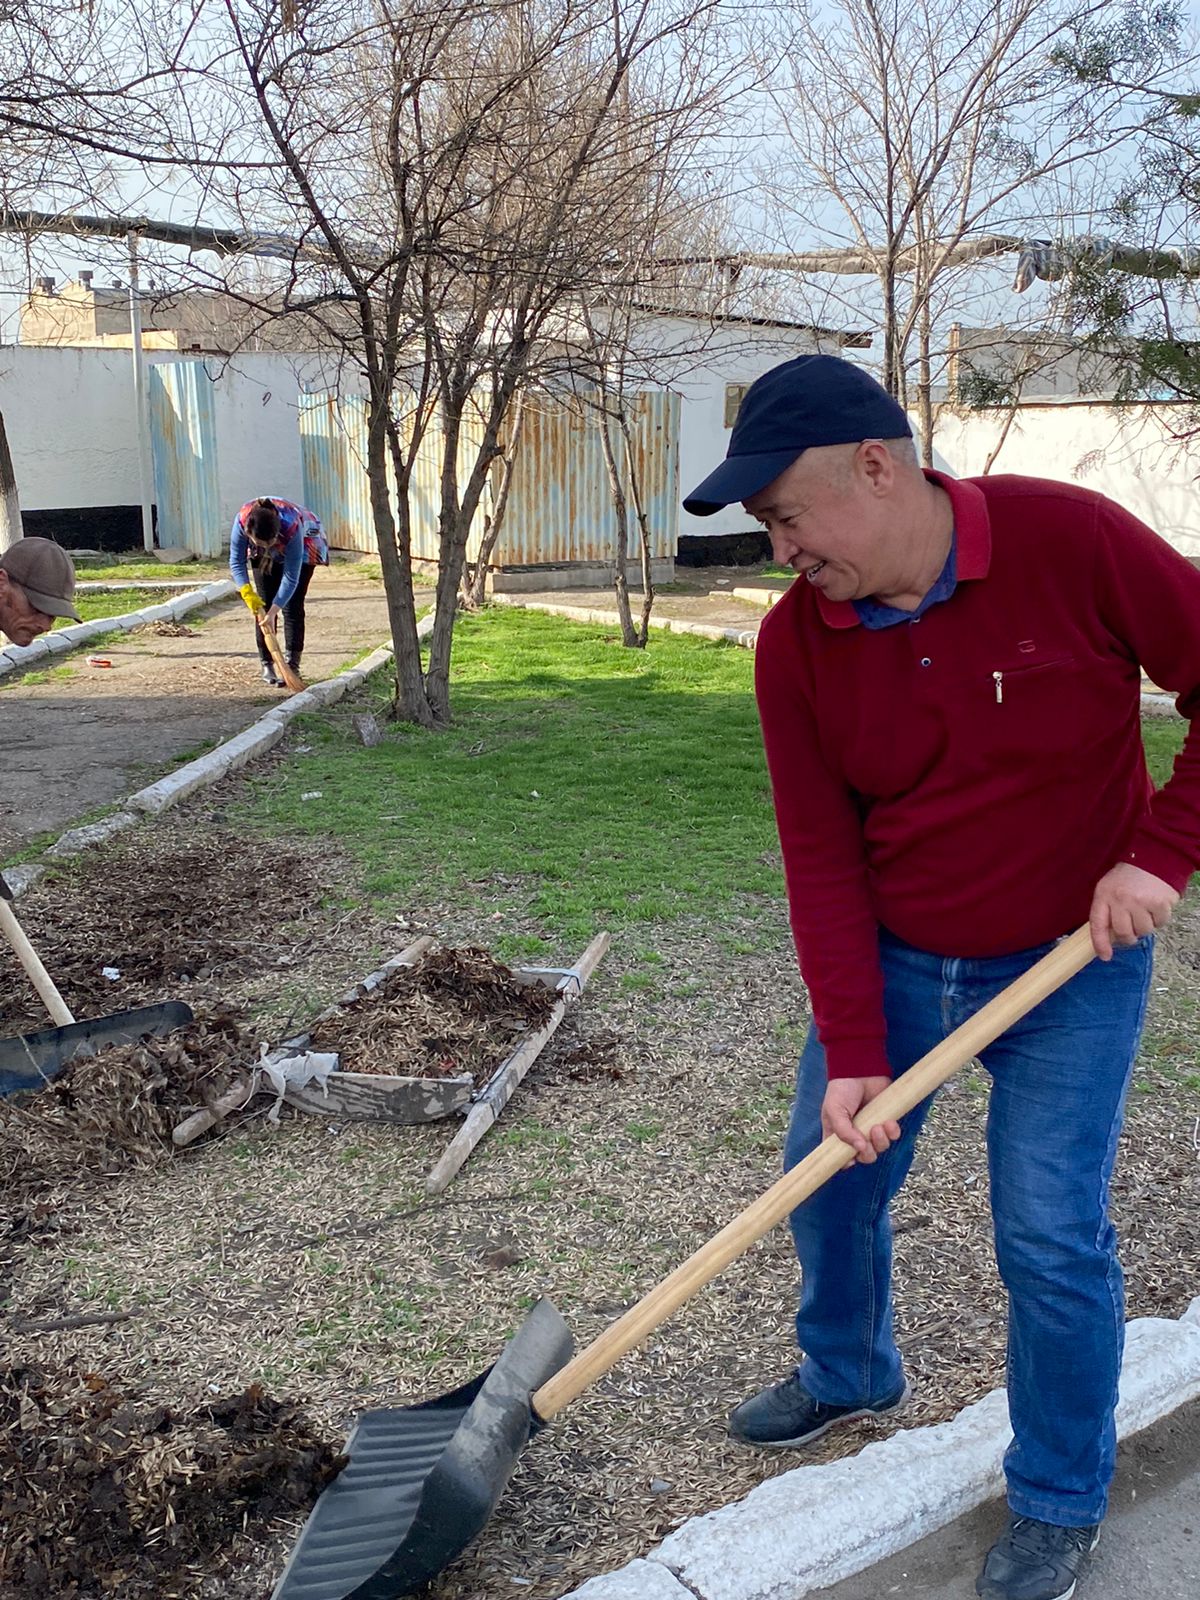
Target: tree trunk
x=999, y=444
x=453, y=538
x=475, y=573
x=616, y=488
x=395, y=561
x=891, y=378
x=643, y=527
x=10, y=506
x=924, y=390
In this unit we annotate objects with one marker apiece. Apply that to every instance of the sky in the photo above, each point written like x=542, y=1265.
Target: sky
x=755, y=149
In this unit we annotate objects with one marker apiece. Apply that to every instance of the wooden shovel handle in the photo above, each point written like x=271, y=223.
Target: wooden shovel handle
x=30, y=960
x=190, y=1129
x=629, y=1331
x=289, y=674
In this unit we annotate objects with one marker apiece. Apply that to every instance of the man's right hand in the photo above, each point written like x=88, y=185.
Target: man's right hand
x=844, y=1099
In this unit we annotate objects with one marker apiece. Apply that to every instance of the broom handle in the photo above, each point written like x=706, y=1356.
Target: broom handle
x=830, y=1156
x=258, y=610
x=289, y=674
x=31, y=961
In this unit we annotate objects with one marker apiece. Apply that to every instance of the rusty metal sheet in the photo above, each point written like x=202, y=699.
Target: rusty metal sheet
x=560, y=504
x=333, y=457
x=183, y=443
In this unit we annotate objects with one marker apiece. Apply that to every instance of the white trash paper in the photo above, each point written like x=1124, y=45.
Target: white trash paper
x=284, y=1068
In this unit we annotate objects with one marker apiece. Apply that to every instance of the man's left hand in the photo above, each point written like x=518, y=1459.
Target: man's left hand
x=1128, y=904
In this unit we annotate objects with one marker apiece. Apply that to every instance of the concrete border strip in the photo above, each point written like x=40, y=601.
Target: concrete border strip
x=745, y=638
x=1157, y=704
x=21, y=657
x=810, y=1528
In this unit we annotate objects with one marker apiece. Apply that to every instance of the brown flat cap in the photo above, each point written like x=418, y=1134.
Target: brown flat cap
x=44, y=570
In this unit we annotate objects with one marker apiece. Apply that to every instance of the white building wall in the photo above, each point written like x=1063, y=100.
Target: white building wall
x=1129, y=453
x=70, y=422
x=72, y=428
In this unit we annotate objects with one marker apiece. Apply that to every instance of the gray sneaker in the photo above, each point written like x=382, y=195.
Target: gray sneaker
x=786, y=1416
x=1035, y=1561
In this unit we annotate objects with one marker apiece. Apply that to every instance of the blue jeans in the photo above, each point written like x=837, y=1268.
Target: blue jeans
x=1058, y=1083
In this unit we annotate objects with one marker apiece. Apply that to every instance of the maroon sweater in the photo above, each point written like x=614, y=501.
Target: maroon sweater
x=965, y=780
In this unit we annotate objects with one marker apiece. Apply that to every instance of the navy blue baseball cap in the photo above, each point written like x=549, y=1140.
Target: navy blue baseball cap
x=812, y=400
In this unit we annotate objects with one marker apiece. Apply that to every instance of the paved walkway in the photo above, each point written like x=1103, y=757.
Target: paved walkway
x=76, y=738
x=1150, y=1545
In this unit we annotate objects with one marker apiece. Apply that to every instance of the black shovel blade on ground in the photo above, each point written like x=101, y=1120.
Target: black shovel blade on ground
x=31, y=1060
x=423, y=1480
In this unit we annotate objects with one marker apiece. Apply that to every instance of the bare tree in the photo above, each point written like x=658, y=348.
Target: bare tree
x=916, y=129
x=467, y=170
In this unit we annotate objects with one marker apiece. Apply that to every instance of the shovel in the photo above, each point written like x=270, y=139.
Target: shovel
x=423, y=1480
x=33, y=1059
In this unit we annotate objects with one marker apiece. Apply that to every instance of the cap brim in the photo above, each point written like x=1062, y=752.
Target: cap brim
x=50, y=605
x=736, y=479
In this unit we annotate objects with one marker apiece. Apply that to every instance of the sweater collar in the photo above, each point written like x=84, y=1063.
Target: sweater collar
x=973, y=540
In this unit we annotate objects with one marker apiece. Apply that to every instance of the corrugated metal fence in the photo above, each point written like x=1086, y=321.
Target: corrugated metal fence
x=559, y=506
x=183, y=442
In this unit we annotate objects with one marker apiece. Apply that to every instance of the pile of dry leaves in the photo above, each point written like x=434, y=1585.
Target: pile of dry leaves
x=117, y=1108
x=457, y=1012
x=103, y=1492
x=194, y=913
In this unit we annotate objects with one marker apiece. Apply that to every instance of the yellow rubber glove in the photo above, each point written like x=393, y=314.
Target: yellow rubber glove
x=252, y=598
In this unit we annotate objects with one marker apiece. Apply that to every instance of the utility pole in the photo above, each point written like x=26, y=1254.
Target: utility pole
x=145, y=464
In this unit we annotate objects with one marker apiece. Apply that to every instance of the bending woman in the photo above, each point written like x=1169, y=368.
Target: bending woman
x=282, y=543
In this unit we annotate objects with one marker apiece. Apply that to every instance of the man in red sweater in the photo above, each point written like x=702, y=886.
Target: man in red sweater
x=950, y=698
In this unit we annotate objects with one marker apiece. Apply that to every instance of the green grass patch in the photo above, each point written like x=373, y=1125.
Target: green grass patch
x=582, y=783
x=92, y=606
x=130, y=571
x=43, y=675
x=1163, y=738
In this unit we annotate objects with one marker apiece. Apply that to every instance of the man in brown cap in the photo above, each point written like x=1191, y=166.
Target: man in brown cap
x=37, y=584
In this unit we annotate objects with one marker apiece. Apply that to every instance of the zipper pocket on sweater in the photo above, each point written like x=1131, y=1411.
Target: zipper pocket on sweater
x=1018, y=675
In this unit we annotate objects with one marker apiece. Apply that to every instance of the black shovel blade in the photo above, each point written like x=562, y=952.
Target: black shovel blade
x=423, y=1480
x=31, y=1060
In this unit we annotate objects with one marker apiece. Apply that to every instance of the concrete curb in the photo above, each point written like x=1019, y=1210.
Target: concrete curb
x=147, y=584
x=810, y=1528
x=1155, y=704
x=744, y=638
x=20, y=657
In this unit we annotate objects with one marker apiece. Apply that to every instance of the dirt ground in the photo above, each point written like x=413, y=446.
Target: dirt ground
x=306, y=1257
x=76, y=738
